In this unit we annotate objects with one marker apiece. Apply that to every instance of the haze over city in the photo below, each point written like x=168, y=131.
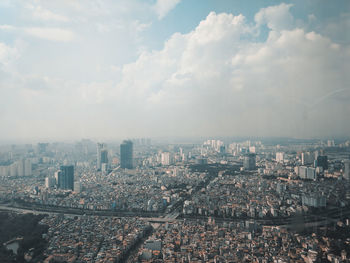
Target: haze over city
x=117, y=69
x=192, y=131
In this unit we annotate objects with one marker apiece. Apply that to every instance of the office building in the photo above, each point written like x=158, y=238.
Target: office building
x=27, y=167
x=314, y=200
x=22, y=167
x=307, y=173
x=102, y=155
x=77, y=187
x=330, y=143
x=249, y=162
x=307, y=158
x=279, y=157
x=166, y=158
x=65, y=177
x=346, y=173
x=50, y=182
x=322, y=161
x=126, y=155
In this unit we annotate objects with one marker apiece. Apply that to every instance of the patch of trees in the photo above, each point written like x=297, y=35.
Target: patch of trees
x=21, y=225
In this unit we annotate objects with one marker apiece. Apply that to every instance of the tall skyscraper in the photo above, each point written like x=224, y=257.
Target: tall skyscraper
x=346, y=173
x=65, y=177
x=126, y=154
x=100, y=147
x=307, y=158
x=249, y=161
x=102, y=155
x=165, y=158
x=27, y=167
x=322, y=161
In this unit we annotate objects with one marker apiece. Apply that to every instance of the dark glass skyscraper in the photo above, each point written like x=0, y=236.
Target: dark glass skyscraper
x=102, y=155
x=66, y=177
x=100, y=147
x=249, y=161
x=126, y=155
x=322, y=161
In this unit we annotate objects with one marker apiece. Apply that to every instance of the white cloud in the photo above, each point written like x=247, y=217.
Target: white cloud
x=163, y=7
x=215, y=74
x=140, y=26
x=338, y=29
x=38, y=12
x=50, y=33
x=7, y=28
x=275, y=17
x=7, y=55
x=219, y=79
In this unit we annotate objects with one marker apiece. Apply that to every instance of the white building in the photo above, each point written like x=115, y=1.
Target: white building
x=307, y=173
x=314, y=200
x=50, y=182
x=77, y=187
x=279, y=157
x=4, y=170
x=165, y=158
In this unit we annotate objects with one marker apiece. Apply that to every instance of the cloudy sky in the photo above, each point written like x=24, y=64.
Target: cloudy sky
x=132, y=68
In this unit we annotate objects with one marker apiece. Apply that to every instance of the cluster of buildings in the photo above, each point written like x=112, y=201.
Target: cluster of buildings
x=140, y=190
x=223, y=191
x=244, y=241
x=22, y=167
x=63, y=179
x=251, y=196
x=90, y=238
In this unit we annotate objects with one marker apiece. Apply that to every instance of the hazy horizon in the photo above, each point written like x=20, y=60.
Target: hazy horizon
x=170, y=68
x=176, y=140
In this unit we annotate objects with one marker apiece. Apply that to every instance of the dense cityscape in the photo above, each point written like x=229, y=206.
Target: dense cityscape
x=140, y=200
x=175, y=131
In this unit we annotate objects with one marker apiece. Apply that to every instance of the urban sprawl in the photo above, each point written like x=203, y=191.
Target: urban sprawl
x=139, y=200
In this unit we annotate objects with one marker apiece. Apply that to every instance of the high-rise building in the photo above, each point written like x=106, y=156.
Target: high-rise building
x=279, y=157
x=307, y=158
x=322, y=161
x=307, y=173
x=104, y=156
x=77, y=187
x=22, y=167
x=330, y=143
x=166, y=158
x=249, y=161
x=101, y=150
x=13, y=170
x=314, y=200
x=50, y=182
x=346, y=173
x=27, y=167
x=126, y=155
x=65, y=177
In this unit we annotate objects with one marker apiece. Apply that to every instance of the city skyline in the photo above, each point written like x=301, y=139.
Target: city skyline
x=174, y=68
x=216, y=200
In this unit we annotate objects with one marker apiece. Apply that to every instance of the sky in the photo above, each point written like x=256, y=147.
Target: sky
x=106, y=69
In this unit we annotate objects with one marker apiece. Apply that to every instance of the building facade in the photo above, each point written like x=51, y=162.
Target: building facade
x=126, y=155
